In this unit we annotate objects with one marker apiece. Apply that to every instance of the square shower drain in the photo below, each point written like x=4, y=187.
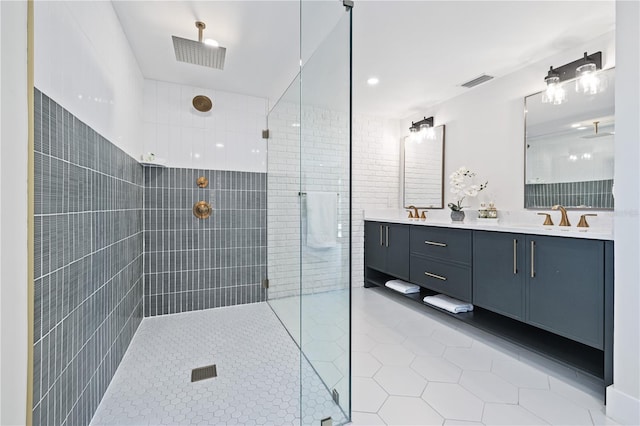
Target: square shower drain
x=202, y=373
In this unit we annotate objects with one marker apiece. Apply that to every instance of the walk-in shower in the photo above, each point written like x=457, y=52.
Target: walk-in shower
x=191, y=265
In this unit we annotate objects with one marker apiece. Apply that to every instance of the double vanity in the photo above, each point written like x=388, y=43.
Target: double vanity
x=545, y=289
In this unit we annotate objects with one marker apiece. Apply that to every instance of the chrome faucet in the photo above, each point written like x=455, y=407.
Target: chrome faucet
x=564, y=220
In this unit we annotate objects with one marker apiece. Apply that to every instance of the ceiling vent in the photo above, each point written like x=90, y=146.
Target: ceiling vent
x=478, y=80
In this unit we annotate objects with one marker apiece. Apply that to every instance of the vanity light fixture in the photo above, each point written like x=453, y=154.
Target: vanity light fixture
x=588, y=79
x=423, y=129
x=554, y=93
x=584, y=70
x=422, y=125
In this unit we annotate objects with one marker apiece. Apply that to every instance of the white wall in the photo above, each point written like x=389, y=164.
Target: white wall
x=319, y=165
x=623, y=397
x=484, y=127
x=83, y=61
x=13, y=217
x=229, y=137
x=376, y=179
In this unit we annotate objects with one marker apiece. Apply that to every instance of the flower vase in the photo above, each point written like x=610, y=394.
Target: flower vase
x=457, y=215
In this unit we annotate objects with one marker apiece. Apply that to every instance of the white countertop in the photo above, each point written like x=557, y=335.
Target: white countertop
x=472, y=223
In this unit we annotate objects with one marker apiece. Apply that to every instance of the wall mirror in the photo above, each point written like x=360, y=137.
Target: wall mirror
x=424, y=168
x=569, y=150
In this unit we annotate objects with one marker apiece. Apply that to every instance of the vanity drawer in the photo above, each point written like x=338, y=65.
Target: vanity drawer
x=453, y=245
x=452, y=280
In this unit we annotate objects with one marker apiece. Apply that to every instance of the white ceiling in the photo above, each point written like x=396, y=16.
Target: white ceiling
x=420, y=50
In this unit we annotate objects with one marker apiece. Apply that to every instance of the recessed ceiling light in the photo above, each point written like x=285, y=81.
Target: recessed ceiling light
x=219, y=145
x=373, y=81
x=580, y=128
x=295, y=125
x=576, y=125
x=211, y=42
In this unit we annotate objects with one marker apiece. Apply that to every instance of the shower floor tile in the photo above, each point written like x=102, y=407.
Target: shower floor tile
x=258, y=373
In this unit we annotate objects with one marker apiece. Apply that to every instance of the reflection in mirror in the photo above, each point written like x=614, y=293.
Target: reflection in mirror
x=569, y=149
x=424, y=168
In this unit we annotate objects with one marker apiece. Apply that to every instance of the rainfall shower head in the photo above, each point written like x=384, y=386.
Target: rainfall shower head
x=597, y=133
x=197, y=52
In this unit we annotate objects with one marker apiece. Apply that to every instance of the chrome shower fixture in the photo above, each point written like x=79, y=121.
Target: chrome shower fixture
x=205, y=53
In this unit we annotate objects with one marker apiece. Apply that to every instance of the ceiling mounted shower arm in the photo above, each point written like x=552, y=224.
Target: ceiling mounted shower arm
x=200, y=26
x=348, y=4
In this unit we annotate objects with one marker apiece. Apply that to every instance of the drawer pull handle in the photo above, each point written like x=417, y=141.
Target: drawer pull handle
x=381, y=236
x=440, y=277
x=433, y=243
x=387, y=237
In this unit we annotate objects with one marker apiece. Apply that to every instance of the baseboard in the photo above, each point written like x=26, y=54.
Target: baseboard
x=622, y=408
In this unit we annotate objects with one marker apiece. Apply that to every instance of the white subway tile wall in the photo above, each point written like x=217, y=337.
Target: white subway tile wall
x=87, y=263
x=229, y=137
x=295, y=170
x=376, y=178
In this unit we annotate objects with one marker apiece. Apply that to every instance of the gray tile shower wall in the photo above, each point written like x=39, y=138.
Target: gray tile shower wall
x=595, y=193
x=191, y=263
x=88, y=264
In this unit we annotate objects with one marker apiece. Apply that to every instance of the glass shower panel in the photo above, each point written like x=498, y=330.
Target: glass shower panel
x=325, y=219
x=308, y=200
x=283, y=207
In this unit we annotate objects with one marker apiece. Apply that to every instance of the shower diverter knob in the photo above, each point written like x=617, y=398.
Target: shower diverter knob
x=202, y=210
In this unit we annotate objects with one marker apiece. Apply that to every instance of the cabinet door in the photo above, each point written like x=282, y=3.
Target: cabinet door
x=397, y=244
x=565, y=291
x=375, y=251
x=498, y=272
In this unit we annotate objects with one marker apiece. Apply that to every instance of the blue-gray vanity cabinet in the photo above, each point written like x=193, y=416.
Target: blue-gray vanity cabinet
x=565, y=291
x=553, y=283
x=386, y=248
x=499, y=272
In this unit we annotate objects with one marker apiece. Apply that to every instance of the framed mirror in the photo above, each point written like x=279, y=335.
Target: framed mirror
x=424, y=168
x=569, y=149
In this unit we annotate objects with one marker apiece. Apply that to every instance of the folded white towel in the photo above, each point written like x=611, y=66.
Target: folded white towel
x=402, y=286
x=448, y=303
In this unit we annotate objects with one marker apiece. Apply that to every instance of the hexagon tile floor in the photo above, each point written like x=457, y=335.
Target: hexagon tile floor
x=258, y=368
x=416, y=366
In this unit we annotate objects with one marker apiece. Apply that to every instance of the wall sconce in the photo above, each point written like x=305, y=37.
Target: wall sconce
x=554, y=93
x=584, y=70
x=588, y=81
x=424, y=127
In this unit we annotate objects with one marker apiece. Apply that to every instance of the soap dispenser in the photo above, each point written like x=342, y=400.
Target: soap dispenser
x=492, y=212
x=482, y=211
